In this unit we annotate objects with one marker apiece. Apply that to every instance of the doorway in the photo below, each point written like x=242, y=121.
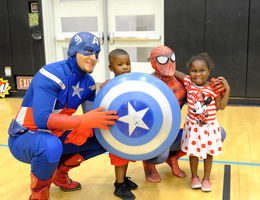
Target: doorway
x=21, y=39
x=134, y=25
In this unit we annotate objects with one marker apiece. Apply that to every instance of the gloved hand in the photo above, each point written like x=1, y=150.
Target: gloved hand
x=92, y=119
x=79, y=136
x=217, y=86
x=98, y=119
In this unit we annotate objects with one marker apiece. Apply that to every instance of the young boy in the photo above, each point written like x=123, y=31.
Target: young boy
x=119, y=63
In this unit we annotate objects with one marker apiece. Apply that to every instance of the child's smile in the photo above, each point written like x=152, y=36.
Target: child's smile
x=199, y=72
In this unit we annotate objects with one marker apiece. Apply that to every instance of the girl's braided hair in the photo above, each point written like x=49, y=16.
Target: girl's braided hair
x=202, y=56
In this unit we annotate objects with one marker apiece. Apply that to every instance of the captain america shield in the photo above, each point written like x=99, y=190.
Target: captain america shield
x=149, y=116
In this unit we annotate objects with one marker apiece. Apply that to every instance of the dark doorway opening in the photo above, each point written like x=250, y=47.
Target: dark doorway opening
x=21, y=41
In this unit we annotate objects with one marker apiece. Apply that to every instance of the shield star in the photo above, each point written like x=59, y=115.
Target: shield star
x=134, y=118
x=77, y=90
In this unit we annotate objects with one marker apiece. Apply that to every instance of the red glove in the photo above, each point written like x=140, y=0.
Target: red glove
x=79, y=136
x=98, y=119
x=217, y=86
x=92, y=119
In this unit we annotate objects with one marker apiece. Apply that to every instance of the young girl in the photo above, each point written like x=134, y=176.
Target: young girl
x=201, y=135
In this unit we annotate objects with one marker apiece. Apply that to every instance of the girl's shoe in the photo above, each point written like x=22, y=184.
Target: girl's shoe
x=195, y=183
x=206, y=186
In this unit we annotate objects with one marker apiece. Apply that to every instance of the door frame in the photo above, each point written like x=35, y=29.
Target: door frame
x=50, y=36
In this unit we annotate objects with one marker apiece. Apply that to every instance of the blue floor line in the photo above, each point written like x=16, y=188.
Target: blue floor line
x=186, y=159
x=226, y=162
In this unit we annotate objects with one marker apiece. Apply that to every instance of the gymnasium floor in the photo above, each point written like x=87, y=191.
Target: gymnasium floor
x=235, y=173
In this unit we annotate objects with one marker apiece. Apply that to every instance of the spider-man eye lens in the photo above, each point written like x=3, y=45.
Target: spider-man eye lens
x=162, y=59
x=173, y=57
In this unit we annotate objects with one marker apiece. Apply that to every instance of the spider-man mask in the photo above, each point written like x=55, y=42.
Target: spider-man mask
x=163, y=60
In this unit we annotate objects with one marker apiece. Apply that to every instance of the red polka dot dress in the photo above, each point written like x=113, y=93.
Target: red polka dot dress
x=201, y=132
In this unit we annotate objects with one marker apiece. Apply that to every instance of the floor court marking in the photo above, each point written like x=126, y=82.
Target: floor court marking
x=226, y=162
x=186, y=159
x=226, y=183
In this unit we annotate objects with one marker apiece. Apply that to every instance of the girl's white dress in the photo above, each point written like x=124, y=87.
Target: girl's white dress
x=201, y=132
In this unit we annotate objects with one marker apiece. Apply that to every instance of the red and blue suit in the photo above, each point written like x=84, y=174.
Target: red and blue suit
x=60, y=87
x=45, y=134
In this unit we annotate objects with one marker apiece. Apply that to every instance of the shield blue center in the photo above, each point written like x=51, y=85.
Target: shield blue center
x=136, y=118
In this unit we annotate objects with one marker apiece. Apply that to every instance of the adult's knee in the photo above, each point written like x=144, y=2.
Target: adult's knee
x=160, y=158
x=176, y=145
x=52, y=147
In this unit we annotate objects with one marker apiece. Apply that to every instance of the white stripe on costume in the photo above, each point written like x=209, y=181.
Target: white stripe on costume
x=45, y=130
x=21, y=115
x=52, y=77
x=57, y=111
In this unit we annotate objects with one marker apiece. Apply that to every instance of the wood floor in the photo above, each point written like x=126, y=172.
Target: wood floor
x=240, y=154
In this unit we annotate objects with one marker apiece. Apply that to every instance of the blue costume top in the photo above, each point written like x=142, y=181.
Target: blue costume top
x=58, y=87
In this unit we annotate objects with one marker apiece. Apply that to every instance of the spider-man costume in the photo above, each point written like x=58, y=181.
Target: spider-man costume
x=163, y=62
x=44, y=132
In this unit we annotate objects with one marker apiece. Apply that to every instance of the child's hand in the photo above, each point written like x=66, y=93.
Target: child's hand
x=217, y=86
x=224, y=82
x=223, y=100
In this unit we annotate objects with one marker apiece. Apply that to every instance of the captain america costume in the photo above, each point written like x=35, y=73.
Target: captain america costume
x=45, y=134
x=60, y=88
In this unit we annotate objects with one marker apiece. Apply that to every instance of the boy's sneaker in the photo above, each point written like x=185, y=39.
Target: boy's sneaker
x=123, y=192
x=130, y=184
x=195, y=183
x=206, y=186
